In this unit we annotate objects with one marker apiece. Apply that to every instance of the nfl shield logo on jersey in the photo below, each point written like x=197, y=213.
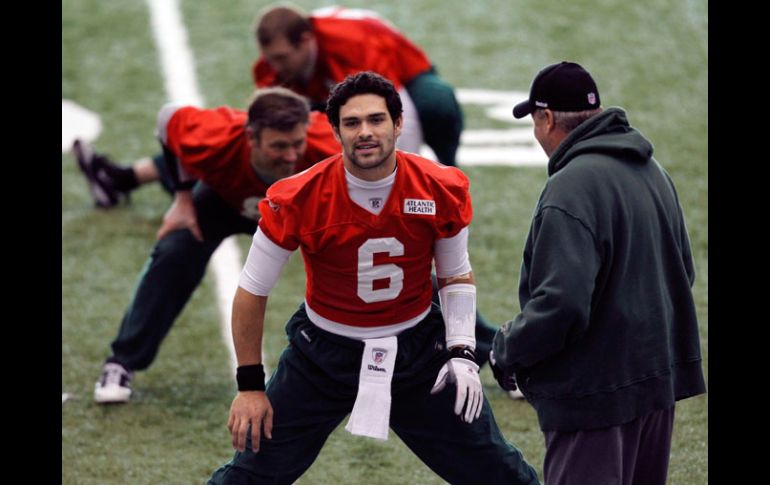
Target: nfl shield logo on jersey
x=378, y=355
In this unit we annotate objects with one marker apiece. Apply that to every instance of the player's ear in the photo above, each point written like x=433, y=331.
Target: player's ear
x=336, y=132
x=550, y=120
x=305, y=37
x=251, y=135
x=398, y=125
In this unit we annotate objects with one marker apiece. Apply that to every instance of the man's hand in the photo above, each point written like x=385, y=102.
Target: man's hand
x=181, y=215
x=250, y=407
x=464, y=373
x=506, y=381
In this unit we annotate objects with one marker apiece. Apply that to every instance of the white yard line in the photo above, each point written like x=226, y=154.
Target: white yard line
x=176, y=58
x=178, y=66
x=514, y=147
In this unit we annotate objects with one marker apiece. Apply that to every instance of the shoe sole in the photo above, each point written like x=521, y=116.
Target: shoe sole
x=108, y=396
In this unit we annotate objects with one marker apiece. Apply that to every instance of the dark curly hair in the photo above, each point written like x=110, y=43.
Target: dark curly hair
x=366, y=82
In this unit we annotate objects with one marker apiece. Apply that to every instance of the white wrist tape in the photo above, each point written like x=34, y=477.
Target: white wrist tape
x=458, y=306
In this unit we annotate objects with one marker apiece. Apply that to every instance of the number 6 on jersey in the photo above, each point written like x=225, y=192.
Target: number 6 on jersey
x=368, y=272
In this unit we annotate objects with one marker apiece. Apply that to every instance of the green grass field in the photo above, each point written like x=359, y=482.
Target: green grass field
x=648, y=57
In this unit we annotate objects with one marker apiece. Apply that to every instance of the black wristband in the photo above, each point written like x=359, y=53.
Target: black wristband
x=463, y=353
x=185, y=185
x=250, y=377
x=172, y=165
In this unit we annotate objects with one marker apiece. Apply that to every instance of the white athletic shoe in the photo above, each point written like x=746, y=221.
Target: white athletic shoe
x=114, y=385
x=515, y=394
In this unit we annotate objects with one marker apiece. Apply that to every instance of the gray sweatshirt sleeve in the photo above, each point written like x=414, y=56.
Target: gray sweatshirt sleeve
x=561, y=263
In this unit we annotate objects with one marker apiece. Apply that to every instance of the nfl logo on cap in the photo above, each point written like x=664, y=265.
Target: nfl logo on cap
x=564, y=86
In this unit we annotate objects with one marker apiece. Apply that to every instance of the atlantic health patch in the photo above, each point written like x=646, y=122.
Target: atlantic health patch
x=420, y=206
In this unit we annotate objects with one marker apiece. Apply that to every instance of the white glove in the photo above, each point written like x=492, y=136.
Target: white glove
x=465, y=375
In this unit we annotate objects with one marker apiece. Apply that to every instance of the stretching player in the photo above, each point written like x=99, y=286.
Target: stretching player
x=310, y=53
x=223, y=162
x=367, y=340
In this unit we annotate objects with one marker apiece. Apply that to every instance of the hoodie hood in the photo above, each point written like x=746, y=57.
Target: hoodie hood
x=607, y=133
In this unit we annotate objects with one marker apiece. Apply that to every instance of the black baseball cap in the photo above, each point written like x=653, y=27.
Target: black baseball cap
x=564, y=86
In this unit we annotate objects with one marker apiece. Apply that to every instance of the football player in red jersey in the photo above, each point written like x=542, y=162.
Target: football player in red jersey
x=368, y=340
x=224, y=160
x=310, y=53
x=110, y=182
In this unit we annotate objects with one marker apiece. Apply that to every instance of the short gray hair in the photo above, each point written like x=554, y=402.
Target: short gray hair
x=569, y=120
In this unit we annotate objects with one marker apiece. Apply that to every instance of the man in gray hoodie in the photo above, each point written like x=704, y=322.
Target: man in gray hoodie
x=607, y=338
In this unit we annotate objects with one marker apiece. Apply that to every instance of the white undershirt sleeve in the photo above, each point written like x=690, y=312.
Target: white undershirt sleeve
x=164, y=116
x=161, y=132
x=451, y=255
x=263, y=265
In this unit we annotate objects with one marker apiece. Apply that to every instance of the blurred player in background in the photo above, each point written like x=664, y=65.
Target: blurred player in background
x=221, y=163
x=309, y=53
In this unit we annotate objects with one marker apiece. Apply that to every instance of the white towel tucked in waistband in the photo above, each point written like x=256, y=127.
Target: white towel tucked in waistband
x=371, y=412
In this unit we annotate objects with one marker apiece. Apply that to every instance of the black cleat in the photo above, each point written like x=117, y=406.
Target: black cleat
x=100, y=183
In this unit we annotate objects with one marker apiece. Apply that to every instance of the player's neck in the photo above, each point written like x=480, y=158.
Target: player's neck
x=311, y=67
x=371, y=174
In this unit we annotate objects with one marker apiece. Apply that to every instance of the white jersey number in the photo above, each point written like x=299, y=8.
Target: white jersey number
x=251, y=208
x=368, y=272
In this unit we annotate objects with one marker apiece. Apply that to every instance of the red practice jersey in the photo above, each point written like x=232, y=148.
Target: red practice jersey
x=367, y=270
x=211, y=145
x=349, y=41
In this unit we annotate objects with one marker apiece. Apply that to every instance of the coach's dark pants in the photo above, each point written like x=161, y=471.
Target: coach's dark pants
x=634, y=453
x=314, y=388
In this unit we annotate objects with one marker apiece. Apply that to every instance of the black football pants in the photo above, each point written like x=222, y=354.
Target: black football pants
x=169, y=277
x=315, y=385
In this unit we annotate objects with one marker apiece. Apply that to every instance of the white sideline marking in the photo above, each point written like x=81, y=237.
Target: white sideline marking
x=182, y=86
x=176, y=58
x=226, y=264
x=484, y=137
x=515, y=146
x=77, y=122
x=509, y=156
x=489, y=96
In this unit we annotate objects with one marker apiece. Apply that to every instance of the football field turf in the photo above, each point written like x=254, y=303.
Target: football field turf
x=651, y=58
